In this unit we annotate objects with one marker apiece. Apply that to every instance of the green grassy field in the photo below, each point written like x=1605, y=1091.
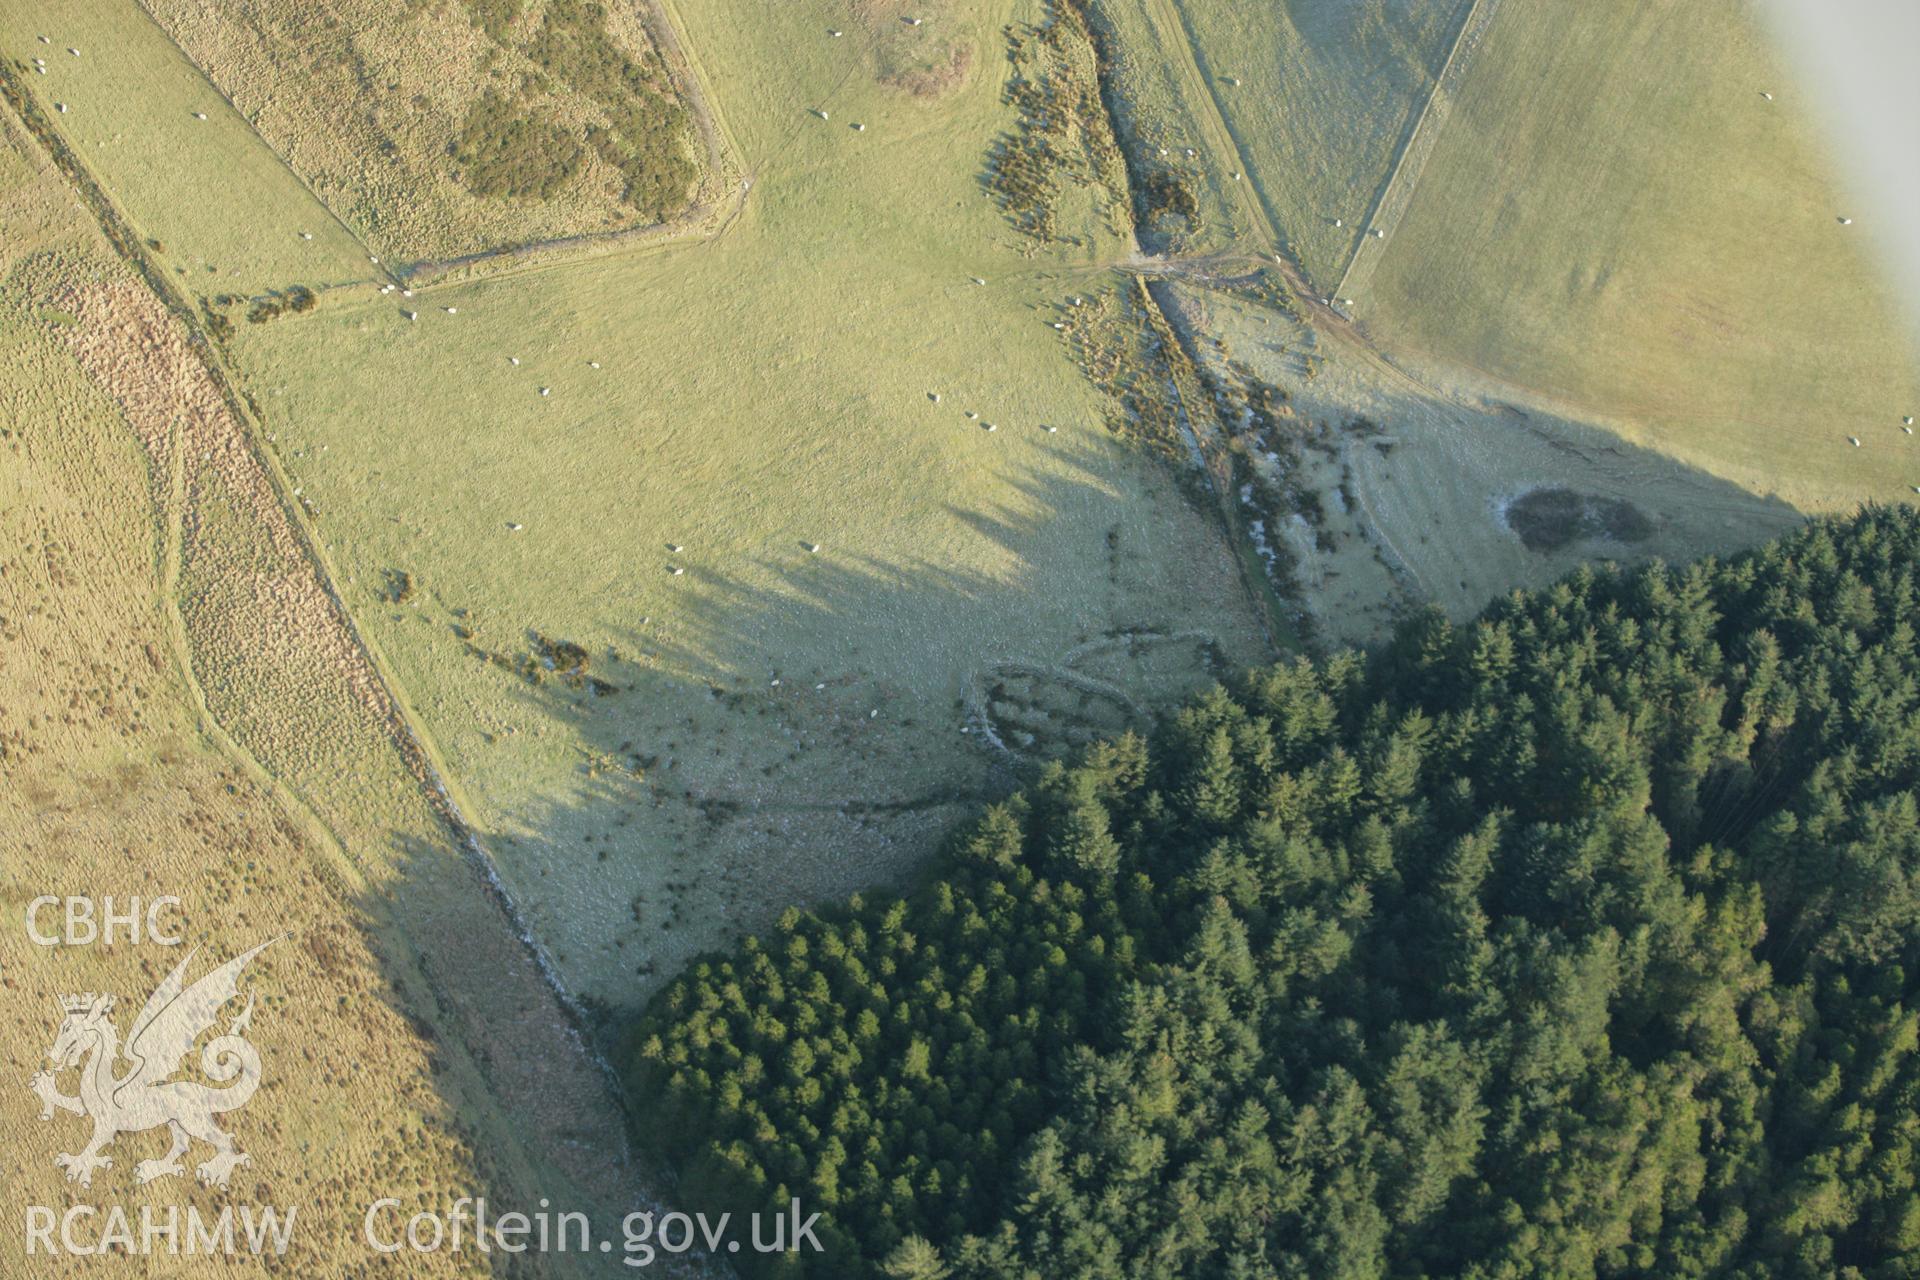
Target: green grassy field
x=227, y=212
x=1615, y=218
x=756, y=395
x=1319, y=95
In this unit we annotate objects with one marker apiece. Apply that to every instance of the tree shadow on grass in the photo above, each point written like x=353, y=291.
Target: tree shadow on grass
x=796, y=729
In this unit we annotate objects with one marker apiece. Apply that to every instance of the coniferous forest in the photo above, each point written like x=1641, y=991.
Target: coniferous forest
x=1575, y=941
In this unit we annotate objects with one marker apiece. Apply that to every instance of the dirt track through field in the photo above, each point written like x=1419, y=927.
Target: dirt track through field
x=1396, y=193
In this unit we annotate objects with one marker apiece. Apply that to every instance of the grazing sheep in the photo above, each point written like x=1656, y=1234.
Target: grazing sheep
x=1908, y=419
x=306, y=235
x=834, y=34
x=1379, y=234
x=1766, y=95
x=515, y=526
x=813, y=548
x=674, y=548
x=1051, y=428
x=61, y=107
x=859, y=128
x=1846, y=222
x=514, y=361
x=675, y=570
x=972, y=416
x=593, y=364
x=934, y=396
x=546, y=391
x=976, y=279
x=452, y=311
x=199, y=115
x=1854, y=441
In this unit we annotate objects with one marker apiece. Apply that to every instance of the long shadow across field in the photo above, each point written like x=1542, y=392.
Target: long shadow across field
x=719, y=782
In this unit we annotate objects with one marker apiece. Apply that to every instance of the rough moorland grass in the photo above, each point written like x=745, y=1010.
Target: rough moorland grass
x=113, y=781
x=1615, y=216
x=779, y=723
x=411, y=120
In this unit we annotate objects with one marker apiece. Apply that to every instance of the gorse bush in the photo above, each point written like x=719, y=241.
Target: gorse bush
x=511, y=147
x=505, y=151
x=1576, y=941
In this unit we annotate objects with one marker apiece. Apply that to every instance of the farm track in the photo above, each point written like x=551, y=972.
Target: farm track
x=1177, y=36
x=406, y=735
x=1396, y=193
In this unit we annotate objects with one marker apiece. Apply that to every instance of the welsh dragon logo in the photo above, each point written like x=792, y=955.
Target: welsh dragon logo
x=139, y=1095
